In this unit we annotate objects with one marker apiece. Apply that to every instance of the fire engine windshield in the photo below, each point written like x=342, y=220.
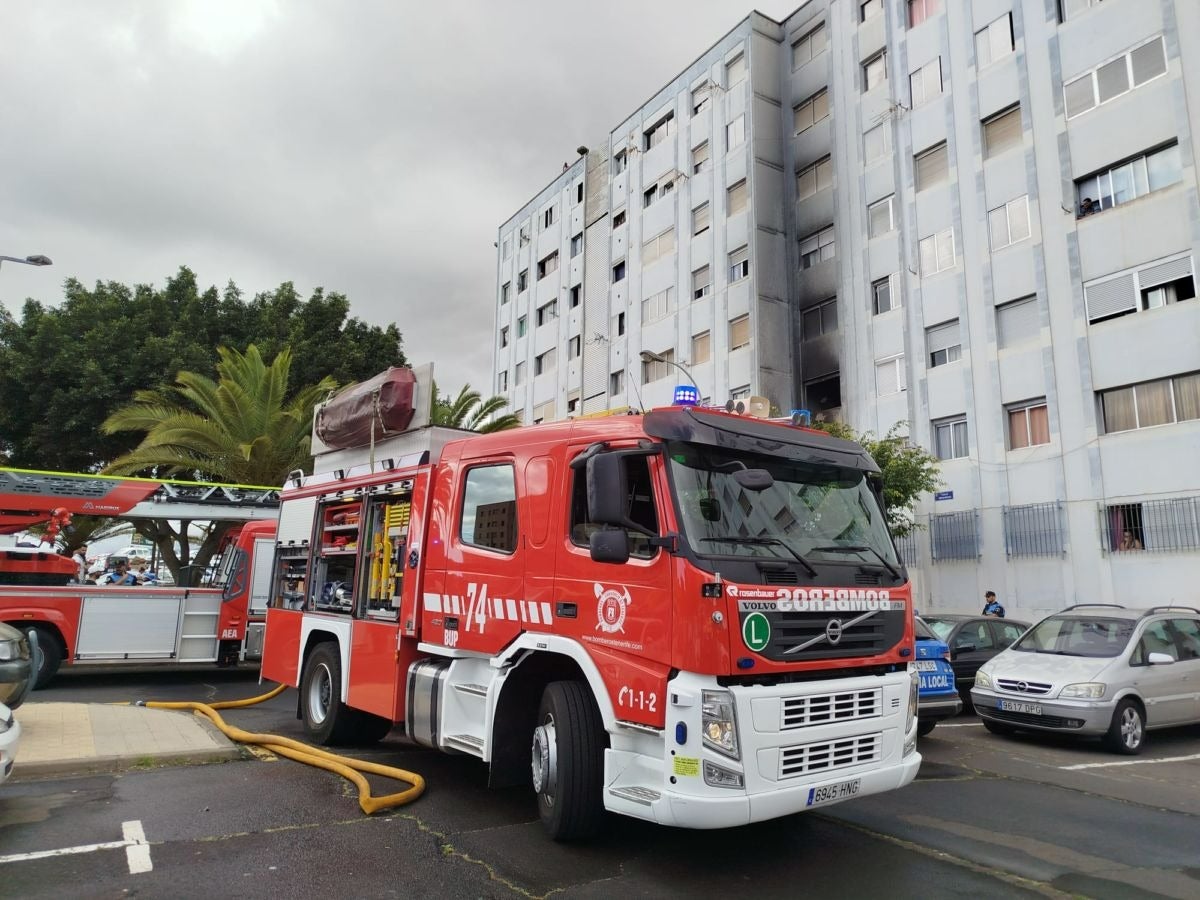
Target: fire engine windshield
x=812, y=512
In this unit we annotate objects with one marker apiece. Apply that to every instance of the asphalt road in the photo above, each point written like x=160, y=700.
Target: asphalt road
x=987, y=817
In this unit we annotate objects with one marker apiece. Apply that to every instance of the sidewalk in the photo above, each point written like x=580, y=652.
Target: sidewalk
x=77, y=738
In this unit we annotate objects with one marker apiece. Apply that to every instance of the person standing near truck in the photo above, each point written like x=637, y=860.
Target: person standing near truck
x=80, y=557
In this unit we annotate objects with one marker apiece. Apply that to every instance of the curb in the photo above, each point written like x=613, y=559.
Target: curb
x=96, y=765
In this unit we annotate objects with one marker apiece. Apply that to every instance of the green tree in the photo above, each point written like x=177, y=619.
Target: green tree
x=908, y=470
x=470, y=411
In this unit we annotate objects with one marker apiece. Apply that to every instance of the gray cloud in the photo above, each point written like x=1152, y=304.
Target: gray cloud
x=372, y=148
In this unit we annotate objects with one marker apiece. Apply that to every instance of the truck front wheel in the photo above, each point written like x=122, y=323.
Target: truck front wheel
x=326, y=719
x=568, y=761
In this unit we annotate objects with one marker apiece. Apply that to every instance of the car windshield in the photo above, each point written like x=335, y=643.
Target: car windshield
x=811, y=511
x=1077, y=636
x=940, y=627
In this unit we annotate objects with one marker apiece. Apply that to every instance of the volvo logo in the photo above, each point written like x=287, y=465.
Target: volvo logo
x=1022, y=686
x=833, y=631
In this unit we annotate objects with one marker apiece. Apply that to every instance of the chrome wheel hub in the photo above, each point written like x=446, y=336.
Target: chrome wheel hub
x=545, y=760
x=1131, y=728
x=320, y=694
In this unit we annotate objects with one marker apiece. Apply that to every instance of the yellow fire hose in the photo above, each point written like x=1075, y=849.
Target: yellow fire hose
x=349, y=768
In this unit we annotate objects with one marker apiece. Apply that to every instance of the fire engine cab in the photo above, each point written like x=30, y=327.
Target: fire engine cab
x=690, y=616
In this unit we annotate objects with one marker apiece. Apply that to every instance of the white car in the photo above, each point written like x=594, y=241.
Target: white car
x=10, y=736
x=1097, y=669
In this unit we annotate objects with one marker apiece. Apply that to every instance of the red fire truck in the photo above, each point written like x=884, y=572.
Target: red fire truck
x=689, y=616
x=220, y=622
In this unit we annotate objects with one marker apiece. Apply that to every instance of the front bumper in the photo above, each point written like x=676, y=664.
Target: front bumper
x=783, y=765
x=8, y=749
x=938, y=708
x=16, y=681
x=1064, y=716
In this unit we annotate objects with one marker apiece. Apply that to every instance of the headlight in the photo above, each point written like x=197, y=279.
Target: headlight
x=10, y=650
x=1090, y=690
x=983, y=680
x=718, y=723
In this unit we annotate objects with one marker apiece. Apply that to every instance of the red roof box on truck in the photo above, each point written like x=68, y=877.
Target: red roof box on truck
x=373, y=409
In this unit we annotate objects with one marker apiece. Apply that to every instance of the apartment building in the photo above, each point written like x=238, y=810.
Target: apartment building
x=979, y=219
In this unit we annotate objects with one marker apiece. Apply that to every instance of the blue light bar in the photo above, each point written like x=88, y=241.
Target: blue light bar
x=686, y=395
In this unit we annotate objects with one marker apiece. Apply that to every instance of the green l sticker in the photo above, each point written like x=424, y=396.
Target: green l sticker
x=756, y=631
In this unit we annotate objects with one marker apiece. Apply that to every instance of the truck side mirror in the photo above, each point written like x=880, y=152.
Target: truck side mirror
x=608, y=491
x=609, y=546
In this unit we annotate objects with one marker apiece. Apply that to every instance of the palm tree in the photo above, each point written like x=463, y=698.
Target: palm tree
x=470, y=411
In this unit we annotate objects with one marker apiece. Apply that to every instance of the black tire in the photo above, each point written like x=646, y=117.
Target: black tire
x=327, y=720
x=50, y=655
x=997, y=727
x=926, y=726
x=568, y=761
x=1127, y=733
x=370, y=728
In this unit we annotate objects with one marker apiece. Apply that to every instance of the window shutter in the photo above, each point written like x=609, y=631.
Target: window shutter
x=739, y=256
x=1148, y=61
x=887, y=379
x=942, y=337
x=932, y=167
x=1017, y=322
x=1110, y=297
x=1164, y=272
x=737, y=198
x=739, y=332
x=701, y=218
x=1002, y=132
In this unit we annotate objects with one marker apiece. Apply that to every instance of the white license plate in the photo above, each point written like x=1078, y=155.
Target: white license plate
x=925, y=665
x=832, y=793
x=1018, y=706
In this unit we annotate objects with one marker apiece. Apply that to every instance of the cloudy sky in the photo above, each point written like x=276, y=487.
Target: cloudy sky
x=372, y=148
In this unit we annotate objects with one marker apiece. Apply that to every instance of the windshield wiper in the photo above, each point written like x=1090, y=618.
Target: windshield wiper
x=861, y=548
x=766, y=542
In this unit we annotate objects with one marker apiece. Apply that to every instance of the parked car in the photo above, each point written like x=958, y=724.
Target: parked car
x=973, y=640
x=10, y=736
x=17, y=666
x=937, y=697
x=1099, y=669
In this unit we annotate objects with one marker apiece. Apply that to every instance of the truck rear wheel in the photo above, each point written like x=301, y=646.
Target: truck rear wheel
x=568, y=761
x=326, y=718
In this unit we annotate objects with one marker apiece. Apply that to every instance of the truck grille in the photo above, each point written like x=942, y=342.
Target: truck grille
x=1022, y=687
x=802, y=636
x=825, y=756
x=821, y=709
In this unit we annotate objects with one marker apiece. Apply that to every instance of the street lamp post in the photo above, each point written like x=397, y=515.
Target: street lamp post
x=648, y=356
x=36, y=259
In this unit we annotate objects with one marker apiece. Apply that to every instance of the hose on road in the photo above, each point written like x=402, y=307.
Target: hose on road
x=349, y=768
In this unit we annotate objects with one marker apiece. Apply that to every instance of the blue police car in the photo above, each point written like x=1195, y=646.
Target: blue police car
x=937, y=697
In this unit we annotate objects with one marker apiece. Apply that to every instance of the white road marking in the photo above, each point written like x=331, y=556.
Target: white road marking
x=1131, y=762
x=137, y=851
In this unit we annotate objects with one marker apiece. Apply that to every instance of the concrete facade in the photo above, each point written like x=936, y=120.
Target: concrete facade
x=918, y=251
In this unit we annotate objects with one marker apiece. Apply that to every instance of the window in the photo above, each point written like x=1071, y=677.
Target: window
x=547, y=312
x=618, y=218
x=739, y=264
x=548, y=217
x=1114, y=78
x=739, y=332
x=576, y=290
x=573, y=403
x=1068, y=9
x=815, y=178
x=811, y=111
x=1168, y=293
x=616, y=384
x=525, y=234
x=658, y=306
x=735, y=132
x=519, y=375
x=619, y=324
x=574, y=347
x=701, y=219
x=638, y=503
x=735, y=70
x=620, y=158
x=877, y=142
x=619, y=272
x=889, y=376
x=950, y=438
x=507, y=251
x=1160, y=402
x=823, y=394
x=818, y=320
x=994, y=42
x=489, y=510
x=659, y=131
x=700, y=159
x=579, y=192
x=868, y=9
x=932, y=167
x=701, y=97
x=544, y=362
x=657, y=191
x=547, y=266
x=502, y=381
x=926, y=82
x=879, y=217
x=943, y=344
x=654, y=369
x=1009, y=223
x=522, y=326
x=1017, y=322
x=809, y=46
x=576, y=245
x=701, y=282
x=505, y=291
x=884, y=296
x=920, y=10
x=658, y=246
x=1035, y=529
x=1028, y=425
x=522, y=280
x=735, y=198
x=875, y=70
x=1128, y=180
x=937, y=252
x=1001, y=132
x=816, y=248
x=701, y=348
x=504, y=336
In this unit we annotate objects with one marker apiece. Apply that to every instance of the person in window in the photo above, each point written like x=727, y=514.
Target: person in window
x=1088, y=206
x=991, y=606
x=1129, y=541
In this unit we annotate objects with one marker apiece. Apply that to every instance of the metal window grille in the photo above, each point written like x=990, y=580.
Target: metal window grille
x=907, y=547
x=1162, y=526
x=1034, y=530
x=954, y=535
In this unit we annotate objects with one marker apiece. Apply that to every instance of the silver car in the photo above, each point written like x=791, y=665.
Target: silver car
x=1097, y=669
